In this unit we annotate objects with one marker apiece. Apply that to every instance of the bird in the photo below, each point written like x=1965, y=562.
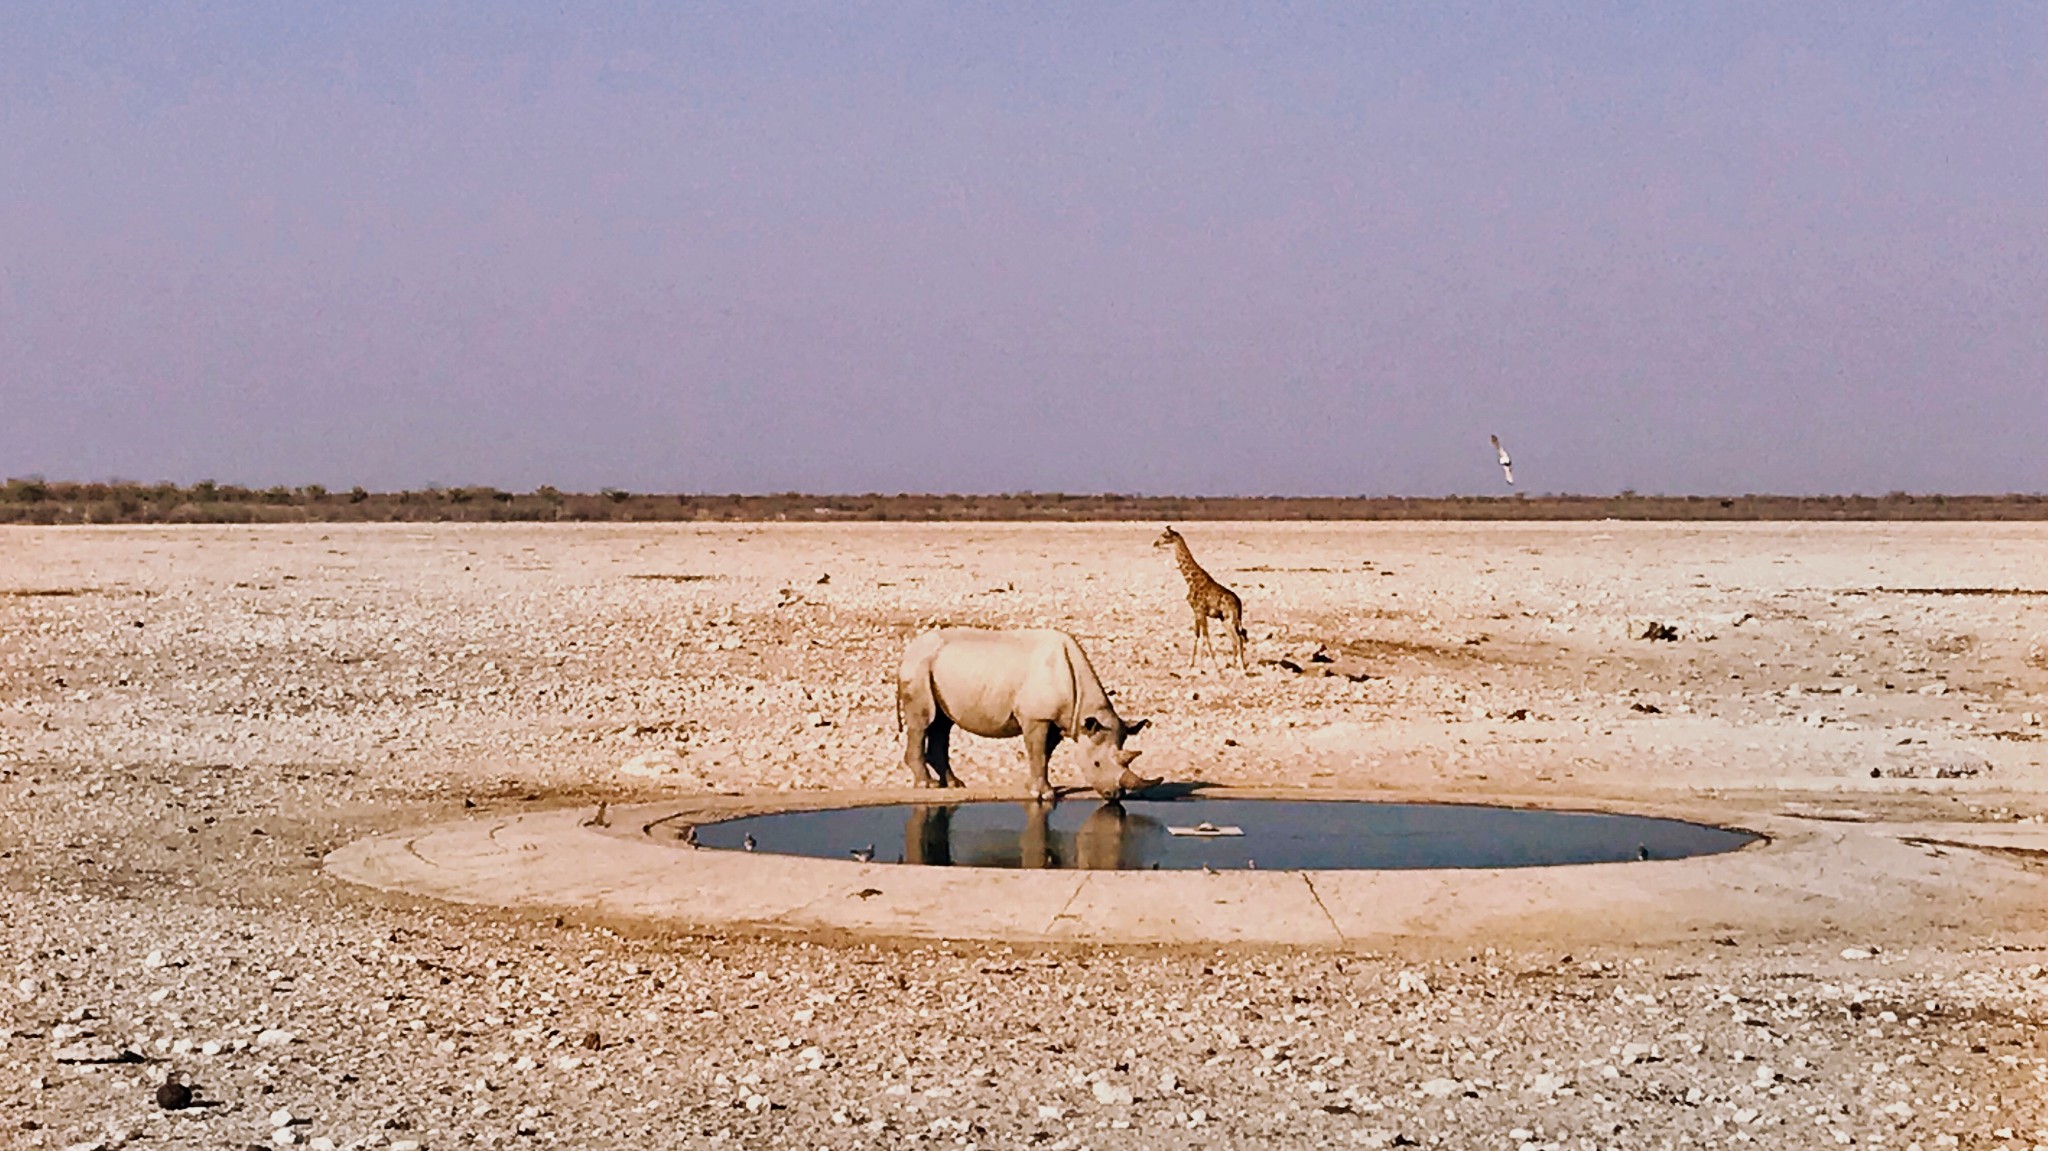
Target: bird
x=1642, y=852
x=600, y=819
x=172, y=1095
x=747, y=842
x=1507, y=466
x=687, y=835
x=863, y=854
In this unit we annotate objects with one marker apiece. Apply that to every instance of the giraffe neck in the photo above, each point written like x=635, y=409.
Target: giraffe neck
x=1189, y=569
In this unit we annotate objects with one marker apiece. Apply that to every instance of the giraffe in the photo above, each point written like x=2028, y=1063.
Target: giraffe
x=1206, y=598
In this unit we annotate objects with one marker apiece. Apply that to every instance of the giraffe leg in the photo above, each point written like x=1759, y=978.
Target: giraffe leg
x=1235, y=622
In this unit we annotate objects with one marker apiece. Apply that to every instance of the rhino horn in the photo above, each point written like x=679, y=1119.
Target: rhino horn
x=1125, y=756
x=1133, y=782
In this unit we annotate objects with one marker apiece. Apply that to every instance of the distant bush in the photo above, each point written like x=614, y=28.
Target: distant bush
x=33, y=500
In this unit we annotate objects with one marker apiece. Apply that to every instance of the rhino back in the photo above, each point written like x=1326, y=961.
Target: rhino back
x=989, y=682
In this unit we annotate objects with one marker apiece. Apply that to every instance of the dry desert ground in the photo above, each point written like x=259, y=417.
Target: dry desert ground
x=194, y=719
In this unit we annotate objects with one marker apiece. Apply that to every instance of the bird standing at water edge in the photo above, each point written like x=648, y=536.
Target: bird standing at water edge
x=172, y=1095
x=863, y=854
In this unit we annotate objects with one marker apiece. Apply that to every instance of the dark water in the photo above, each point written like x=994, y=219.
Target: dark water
x=1278, y=835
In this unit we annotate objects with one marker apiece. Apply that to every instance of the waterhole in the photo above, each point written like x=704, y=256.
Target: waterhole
x=1218, y=834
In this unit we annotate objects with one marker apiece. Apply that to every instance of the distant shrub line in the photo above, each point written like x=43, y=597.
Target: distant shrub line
x=36, y=501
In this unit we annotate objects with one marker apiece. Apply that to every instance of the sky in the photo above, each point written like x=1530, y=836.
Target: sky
x=1187, y=248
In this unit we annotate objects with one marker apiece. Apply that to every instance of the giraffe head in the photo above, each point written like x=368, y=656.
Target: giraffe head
x=1167, y=538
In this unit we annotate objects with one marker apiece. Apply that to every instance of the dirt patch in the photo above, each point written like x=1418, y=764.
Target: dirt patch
x=165, y=807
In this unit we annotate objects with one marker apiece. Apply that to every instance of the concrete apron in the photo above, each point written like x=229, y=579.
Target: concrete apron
x=1811, y=879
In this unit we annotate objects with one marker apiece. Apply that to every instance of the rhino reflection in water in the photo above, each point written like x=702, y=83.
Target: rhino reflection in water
x=1109, y=838
x=928, y=835
x=1112, y=838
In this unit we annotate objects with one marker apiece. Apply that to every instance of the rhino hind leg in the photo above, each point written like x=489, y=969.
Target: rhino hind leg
x=938, y=750
x=920, y=720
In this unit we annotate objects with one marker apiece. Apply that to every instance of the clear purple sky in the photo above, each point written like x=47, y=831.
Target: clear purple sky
x=1175, y=248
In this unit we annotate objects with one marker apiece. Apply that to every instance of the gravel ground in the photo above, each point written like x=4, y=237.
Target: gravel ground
x=191, y=718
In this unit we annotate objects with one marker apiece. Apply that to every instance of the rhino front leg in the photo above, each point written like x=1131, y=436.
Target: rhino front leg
x=1039, y=740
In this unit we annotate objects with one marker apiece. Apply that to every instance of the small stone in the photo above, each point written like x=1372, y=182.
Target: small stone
x=321, y=1143
x=280, y=1118
x=405, y=1145
x=1855, y=953
x=653, y=763
x=1048, y=1111
x=1112, y=1094
x=274, y=1037
x=1440, y=1088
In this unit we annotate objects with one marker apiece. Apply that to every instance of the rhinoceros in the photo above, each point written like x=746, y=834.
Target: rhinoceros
x=1002, y=684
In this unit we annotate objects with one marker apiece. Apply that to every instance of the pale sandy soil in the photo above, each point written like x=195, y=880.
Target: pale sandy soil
x=207, y=712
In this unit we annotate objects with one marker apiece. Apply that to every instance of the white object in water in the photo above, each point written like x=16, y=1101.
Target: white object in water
x=1205, y=830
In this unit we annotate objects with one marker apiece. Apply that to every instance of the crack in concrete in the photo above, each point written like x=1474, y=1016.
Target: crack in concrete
x=1320, y=906
x=1062, y=912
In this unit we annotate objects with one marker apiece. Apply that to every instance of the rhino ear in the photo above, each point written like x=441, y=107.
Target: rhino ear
x=1136, y=726
x=1126, y=756
x=1091, y=725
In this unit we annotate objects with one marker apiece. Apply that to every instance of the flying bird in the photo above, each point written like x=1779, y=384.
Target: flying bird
x=1507, y=466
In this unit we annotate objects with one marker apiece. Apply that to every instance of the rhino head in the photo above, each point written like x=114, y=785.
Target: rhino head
x=1106, y=761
